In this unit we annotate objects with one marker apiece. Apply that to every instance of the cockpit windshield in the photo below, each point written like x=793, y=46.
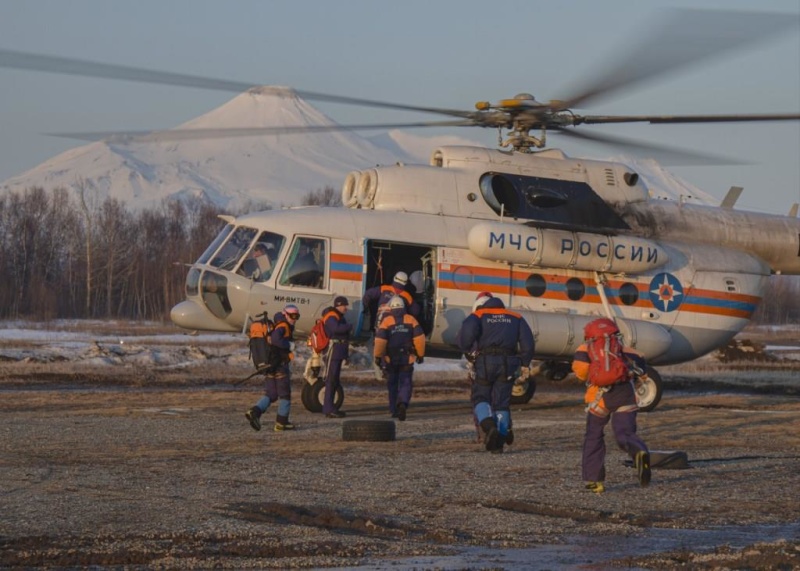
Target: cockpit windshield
x=215, y=244
x=234, y=248
x=262, y=257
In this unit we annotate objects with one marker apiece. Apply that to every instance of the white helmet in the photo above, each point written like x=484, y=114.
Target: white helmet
x=401, y=278
x=397, y=303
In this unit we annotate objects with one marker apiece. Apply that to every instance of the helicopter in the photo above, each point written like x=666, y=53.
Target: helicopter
x=560, y=240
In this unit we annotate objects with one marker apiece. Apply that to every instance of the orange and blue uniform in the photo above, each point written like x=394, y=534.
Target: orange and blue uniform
x=502, y=342
x=277, y=381
x=338, y=331
x=399, y=342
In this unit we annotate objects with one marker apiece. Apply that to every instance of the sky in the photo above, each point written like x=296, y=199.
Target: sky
x=446, y=53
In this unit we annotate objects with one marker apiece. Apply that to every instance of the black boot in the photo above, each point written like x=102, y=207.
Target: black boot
x=282, y=423
x=491, y=438
x=254, y=417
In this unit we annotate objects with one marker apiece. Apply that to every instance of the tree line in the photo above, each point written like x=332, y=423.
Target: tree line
x=64, y=255
x=69, y=255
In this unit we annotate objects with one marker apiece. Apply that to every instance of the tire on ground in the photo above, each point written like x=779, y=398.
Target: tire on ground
x=312, y=396
x=368, y=430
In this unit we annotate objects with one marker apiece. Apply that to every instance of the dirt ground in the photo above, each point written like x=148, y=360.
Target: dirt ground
x=104, y=468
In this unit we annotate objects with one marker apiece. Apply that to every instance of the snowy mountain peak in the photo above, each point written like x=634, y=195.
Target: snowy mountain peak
x=272, y=169
x=262, y=106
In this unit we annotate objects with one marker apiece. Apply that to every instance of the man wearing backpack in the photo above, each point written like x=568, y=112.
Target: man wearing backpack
x=399, y=342
x=607, y=367
x=500, y=344
x=277, y=380
x=376, y=299
x=338, y=331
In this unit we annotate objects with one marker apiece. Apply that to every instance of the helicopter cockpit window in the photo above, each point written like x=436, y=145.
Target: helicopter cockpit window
x=233, y=250
x=499, y=193
x=262, y=257
x=306, y=264
x=215, y=244
x=214, y=291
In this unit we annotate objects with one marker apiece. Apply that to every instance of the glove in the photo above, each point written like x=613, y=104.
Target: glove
x=524, y=372
x=470, y=356
x=420, y=360
x=378, y=361
x=291, y=346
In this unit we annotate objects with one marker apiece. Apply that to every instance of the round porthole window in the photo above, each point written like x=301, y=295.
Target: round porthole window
x=535, y=285
x=628, y=294
x=575, y=289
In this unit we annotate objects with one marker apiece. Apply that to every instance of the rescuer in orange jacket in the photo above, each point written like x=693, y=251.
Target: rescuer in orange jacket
x=399, y=343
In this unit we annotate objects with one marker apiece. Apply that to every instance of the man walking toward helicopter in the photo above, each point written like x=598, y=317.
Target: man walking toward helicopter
x=608, y=368
x=338, y=331
x=399, y=343
x=500, y=345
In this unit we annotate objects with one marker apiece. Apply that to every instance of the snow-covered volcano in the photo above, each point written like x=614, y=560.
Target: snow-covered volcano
x=272, y=169
x=276, y=169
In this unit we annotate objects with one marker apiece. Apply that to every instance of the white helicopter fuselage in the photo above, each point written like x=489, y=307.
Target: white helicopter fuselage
x=562, y=241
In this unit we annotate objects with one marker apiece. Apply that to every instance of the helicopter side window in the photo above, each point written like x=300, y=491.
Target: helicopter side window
x=306, y=264
x=628, y=294
x=535, y=285
x=263, y=257
x=575, y=289
x=215, y=244
x=233, y=250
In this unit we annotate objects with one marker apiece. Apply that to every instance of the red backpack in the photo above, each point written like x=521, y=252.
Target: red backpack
x=607, y=364
x=318, y=339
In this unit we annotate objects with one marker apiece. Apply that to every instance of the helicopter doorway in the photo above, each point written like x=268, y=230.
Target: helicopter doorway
x=384, y=259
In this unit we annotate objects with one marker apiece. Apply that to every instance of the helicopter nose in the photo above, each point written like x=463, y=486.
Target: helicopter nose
x=190, y=315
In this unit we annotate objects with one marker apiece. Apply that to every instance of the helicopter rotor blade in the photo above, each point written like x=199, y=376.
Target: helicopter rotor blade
x=666, y=119
x=127, y=137
x=668, y=156
x=71, y=66
x=686, y=37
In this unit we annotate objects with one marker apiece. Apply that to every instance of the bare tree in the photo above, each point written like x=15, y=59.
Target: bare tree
x=322, y=197
x=80, y=185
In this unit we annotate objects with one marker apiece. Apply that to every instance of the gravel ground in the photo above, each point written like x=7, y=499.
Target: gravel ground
x=146, y=467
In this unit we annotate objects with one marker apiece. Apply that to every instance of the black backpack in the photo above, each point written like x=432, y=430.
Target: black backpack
x=260, y=345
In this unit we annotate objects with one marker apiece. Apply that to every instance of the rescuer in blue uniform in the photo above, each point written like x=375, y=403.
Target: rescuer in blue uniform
x=499, y=343
x=278, y=383
x=338, y=331
x=376, y=299
x=399, y=343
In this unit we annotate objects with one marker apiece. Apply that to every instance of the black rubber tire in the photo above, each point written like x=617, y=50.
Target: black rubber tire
x=313, y=396
x=368, y=430
x=522, y=394
x=657, y=389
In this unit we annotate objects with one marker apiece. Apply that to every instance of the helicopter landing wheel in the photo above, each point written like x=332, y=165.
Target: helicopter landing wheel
x=648, y=392
x=522, y=393
x=313, y=396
